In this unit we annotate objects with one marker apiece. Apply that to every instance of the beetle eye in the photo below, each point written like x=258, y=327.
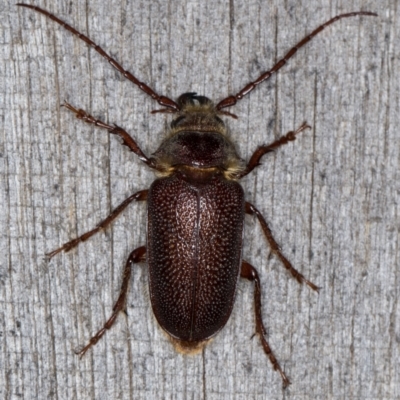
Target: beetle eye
x=186, y=98
x=176, y=122
x=219, y=120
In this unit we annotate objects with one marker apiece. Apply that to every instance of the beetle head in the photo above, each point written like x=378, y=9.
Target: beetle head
x=197, y=113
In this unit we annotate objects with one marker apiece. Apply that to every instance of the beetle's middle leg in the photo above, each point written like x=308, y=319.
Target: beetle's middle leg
x=250, y=209
x=139, y=196
x=138, y=255
x=250, y=273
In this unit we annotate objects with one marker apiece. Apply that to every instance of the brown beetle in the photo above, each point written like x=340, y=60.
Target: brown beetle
x=196, y=210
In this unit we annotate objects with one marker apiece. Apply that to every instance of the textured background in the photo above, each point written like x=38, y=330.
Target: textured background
x=332, y=197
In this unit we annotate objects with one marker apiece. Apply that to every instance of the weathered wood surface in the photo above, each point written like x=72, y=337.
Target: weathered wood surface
x=332, y=197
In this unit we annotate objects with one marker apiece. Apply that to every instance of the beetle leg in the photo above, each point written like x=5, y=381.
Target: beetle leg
x=260, y=151
x=250, y=209
x=138, y=255
x=127, y=139
x=250, y=273
x=139, y=196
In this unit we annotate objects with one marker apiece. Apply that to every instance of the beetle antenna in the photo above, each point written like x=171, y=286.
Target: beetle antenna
x=232, y=100
x=162, y=100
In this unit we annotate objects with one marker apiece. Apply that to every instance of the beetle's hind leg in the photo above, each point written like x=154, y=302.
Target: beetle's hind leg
x=250, y=273
x=138, y=255
x=139, y=196
x=250, y=209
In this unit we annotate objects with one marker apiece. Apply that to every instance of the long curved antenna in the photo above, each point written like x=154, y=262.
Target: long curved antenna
x=164, y=101
x=232, y=100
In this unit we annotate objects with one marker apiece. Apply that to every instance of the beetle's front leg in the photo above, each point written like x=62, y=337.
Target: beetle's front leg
x=115, y=130
x=250, y=209
x=260, y=151
x=250, y=273
x=138, y=255
x=138, y=196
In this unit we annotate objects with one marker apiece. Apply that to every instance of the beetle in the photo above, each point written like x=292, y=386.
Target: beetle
x=196, y=210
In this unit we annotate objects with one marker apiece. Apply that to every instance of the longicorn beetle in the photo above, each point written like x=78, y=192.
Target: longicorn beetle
x=196, y=209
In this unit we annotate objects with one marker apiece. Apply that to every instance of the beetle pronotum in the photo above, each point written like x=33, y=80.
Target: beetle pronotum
x=196, y=210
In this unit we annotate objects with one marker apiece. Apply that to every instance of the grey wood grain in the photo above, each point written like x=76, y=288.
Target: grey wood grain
x=331, y=197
